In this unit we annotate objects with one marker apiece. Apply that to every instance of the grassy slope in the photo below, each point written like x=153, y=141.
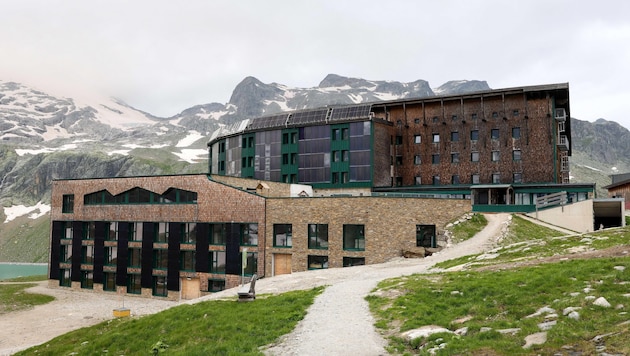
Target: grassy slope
x=207, y=328
x=24, y=239
x=502, y=297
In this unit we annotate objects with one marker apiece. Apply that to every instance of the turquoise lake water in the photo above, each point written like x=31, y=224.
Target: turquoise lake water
x=12, y=270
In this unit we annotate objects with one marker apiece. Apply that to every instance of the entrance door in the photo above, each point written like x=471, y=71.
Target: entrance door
x=282, y=264
x=190, y=288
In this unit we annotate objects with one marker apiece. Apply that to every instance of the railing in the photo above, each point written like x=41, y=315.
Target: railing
x=551, y=200
x=563, y=143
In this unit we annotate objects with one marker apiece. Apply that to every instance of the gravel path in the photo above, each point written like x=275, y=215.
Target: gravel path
x=338, y=322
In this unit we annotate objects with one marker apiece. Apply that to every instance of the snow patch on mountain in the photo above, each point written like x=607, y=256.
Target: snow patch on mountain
x=192, y=155
x=193, y=137
x=35, y=211
x=66, y=147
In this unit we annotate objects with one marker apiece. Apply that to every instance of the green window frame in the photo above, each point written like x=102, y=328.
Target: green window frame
x=161, y=232
x=217, y=262
x=353, y=261
x=218, y=233
x=111, y=255
x=65, y=254
x=189, y=233
x=67, y=204
x=249, y=234
x=112, y=235
x=135, y=258
x=425, y=236
x=109, y=281
x=159, y=286
x=89, y=229
x=353, y=237
x=67, y=230
x=64, y=278
x=187, y=260
x=216, y=285
x=282, y=235
x=317, y=262
x=133, y=283
x=160, y=259
x=87, y=254
x=135, y=231
x=251, y=267
x=318, y=236
x=87, y=279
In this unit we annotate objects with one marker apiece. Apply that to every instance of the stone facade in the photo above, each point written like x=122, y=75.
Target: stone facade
x=389, y=225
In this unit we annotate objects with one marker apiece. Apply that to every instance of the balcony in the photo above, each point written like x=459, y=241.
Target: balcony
x=563, y=143
x=561, y=114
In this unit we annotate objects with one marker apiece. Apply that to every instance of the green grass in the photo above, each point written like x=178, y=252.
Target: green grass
x=37, y=278
x=207, y=328
x=14, y=298
x=467, y=229
x=504, y=299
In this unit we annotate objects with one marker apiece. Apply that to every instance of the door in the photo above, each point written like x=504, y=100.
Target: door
x=282, y=264
x=190, y=288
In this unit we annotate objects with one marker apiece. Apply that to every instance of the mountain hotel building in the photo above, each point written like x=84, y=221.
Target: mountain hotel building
x=323, y=188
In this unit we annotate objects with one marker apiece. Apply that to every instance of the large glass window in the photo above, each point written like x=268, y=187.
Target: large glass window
x=159, y=286
x=135, y=257
x=252, y=263
x=354, y=237
x=496, y=178
x=494, y=133
x=417, y=159
x=189, y=233
x=353, y=261
x=87, y=279
x=217, y=234
x=425, y=236
x=89, y=229
x=417, y=139
x=516, y=155
x=474, y=156
x=187, y=260
x=454, y=136
x=318, y=236
x=67, y=204
x=161, y=233
x=111, y=255
x=133, y=284
x=435, y=158
x=87, y=254
x=474, y=135
x=317, y=262
x=474, y=178
x=516, y=132
x=160, y=259
x=454, y=157
x=67, y=230
x=216, y=285
x=135, y=231
x=65, y=254
x=249, y=234
x=495, y=156
x=436, y=137
x=113, y=231
x=64, y=278
x=109, y=281
x=282, y=235
x=217, y=261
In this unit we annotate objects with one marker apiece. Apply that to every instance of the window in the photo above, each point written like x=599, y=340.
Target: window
x=399, y=140
x=67, y=230
x=113, y=232
x=495, y=156
x=336, y=156
x=353, y=237
x=418, y=180
x=416, y=121
x=88, y=230
x=474, y=135
x=516, y=155
x=494, y=134
x=318, y=236
x=160, y=259
x=474, y=178
x=425, y=236
x=249, y=234
x=65, y=254
x=417, y=159
x=161, y=234
x=111, y=255
x=317, y=262
x=398, y=181
x=353, y=261
x=285, y=158
x=216, y=285
x=217, y=262
x=454, y=136
x=133, y=284
x=455, y=179
x=473, y=116
x=399, y=160
x=436, y=180
x=135, y=231
x=417, y=139
x=436, y=137
x=282, y=235
x=435, y=119
x=87, y=254
x=285, y=138
x=335, y=134
x=516, y=132
x=344, y=134
x=134, y=257
x=87, y=279
x=474, y=156
x=217, y=234
x=67, y=205
x=64, y=278
x=189, y=233
x=496, y=178
x=109, y=281
x=454, y=157
x=187, y=260
x=515, y=112
x=495, y=114
x=435, y=158
x=454, y=117
x=251, y=266
x=159, y=286
x=517, y=178
x=345, y=156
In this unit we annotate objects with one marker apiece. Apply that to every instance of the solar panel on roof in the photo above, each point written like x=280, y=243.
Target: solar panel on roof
x=269, y=121
x=351, y=112
x=308, y=117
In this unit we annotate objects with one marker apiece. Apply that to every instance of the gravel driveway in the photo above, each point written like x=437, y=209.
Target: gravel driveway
x=338, y=322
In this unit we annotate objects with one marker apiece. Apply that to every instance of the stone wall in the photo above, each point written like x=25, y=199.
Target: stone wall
x=390, y=225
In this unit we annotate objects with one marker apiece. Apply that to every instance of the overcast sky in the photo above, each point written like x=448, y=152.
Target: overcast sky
x=165, y=56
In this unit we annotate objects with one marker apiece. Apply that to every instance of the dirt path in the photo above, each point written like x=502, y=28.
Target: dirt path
x=338, y=323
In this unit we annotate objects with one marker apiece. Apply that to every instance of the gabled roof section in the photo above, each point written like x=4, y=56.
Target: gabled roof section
x=618, y=184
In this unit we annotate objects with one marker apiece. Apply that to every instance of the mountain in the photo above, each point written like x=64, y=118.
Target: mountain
x=45, y=137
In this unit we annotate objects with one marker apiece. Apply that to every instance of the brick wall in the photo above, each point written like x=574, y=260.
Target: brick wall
x=390, y=225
